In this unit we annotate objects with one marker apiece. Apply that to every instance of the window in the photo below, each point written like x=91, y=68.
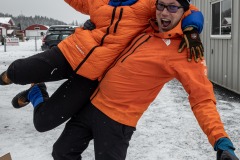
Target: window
x=64, y=36
x=53, y=37
x=221, y=18
x=36, y=28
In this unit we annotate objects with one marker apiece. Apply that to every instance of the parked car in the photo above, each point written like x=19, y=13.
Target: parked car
x=55, y=34
x=60, y=29
x=53, y=39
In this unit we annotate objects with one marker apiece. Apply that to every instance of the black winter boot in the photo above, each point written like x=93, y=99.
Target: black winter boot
x=4, y=79
x=21, y=99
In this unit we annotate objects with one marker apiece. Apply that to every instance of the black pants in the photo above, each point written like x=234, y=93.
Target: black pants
x=111, y=139
x=66, y=101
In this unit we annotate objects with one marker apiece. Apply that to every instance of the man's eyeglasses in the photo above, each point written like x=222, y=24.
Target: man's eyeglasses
x=170, y=8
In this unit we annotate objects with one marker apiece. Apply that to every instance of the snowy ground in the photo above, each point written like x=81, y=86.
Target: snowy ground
x=167, y=131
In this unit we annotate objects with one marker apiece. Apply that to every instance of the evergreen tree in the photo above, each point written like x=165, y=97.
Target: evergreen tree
x=23, y=22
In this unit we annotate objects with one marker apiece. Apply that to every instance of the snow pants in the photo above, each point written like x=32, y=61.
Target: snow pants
x=67, y=100
x=111, y=139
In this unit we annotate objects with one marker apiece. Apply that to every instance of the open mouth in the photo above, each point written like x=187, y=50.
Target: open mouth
x=165, y=22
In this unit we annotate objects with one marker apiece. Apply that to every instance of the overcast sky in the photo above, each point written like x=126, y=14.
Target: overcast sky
x=57, y=9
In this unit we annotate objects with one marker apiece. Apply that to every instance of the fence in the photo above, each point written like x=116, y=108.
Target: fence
x=13, y=41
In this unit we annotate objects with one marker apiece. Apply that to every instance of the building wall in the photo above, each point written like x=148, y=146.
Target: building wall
x=6, y=22
x=32, y=27
x=31, y=32
x=3, y=31
x=222, y=54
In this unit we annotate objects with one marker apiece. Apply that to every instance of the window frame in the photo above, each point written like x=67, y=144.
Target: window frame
x=220, y=36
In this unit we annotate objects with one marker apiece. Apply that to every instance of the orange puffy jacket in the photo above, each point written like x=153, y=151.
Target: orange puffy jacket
x=115, y=28
x=136, y=78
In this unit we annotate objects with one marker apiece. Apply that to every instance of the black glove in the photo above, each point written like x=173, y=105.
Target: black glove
x=225, y=155
x=88, y=25
x=192, y=41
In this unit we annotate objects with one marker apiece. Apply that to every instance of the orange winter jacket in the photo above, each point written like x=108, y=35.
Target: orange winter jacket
x=115, y=28
x=136, y=78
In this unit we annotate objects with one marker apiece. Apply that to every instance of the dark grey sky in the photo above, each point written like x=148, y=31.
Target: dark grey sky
x=57, y=9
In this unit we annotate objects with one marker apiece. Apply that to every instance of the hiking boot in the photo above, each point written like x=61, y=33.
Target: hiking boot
x=21, y=99
x=4, y=79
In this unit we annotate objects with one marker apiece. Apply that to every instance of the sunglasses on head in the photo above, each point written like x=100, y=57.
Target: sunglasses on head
x=170, y=8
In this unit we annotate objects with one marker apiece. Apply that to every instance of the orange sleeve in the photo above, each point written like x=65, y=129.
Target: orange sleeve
x=202, y=99
x=79, y=5
x=209, y=120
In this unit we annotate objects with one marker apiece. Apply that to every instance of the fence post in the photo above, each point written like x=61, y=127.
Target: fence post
x=35, y=43
x=5, y=45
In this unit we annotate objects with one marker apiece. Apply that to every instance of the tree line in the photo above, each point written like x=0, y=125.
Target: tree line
x=22, y=22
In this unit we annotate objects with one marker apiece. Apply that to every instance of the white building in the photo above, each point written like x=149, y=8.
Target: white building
x=6, y=26
x=3, y=31
x=221, y=41
x=36, y=30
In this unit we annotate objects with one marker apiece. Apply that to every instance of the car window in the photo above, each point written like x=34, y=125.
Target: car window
x=64, y=36
x=52, y=37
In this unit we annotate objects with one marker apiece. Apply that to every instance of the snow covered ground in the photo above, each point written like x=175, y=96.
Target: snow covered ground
x=167, y=131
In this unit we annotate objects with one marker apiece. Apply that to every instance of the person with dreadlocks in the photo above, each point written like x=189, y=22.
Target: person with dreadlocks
x=84, y=56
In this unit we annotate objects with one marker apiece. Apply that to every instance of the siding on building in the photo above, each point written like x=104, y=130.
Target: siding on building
x=222, y=54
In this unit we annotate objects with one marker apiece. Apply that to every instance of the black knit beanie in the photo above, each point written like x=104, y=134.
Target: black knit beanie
x=185, y=4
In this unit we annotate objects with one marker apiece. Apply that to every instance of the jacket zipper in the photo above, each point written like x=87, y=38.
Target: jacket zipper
x=107, y=33
x=120, y=56
x=119, y=19
x=103, y=38
x=104, y=74
x=135, y=48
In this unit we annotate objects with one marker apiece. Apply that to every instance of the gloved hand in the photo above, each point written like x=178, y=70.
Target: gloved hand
x=88, y=25
x=192, y=41
x=225, y=149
